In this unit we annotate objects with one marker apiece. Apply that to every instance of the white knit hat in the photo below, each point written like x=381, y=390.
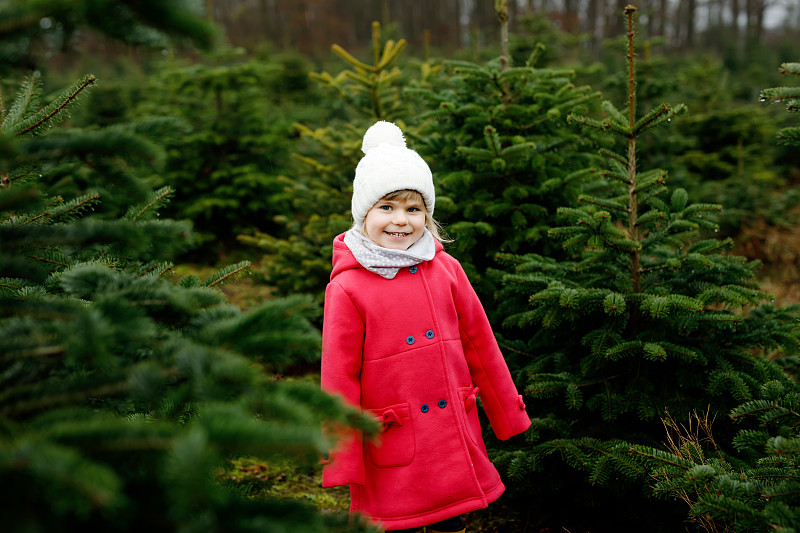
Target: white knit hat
x=388, y=166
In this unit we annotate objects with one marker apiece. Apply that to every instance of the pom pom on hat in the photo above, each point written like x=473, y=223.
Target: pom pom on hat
x=388, y=166
x=382, y=132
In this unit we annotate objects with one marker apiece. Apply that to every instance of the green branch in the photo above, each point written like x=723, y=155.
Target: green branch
x=46, y=114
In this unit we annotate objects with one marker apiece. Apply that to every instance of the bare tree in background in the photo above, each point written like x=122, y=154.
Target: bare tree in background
x=754, y=10
x=312, y=25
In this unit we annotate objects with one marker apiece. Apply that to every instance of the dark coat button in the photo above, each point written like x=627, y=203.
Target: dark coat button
x=442, y=404
x=424, y=408
x=413, y=269
x=410, y=339
x=429, y=334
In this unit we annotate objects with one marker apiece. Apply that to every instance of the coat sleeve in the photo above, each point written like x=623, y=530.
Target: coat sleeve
x=342, y=345
x=501, y=401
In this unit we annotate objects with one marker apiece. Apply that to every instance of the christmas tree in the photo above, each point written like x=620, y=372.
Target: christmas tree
x=648, y=317
x=298, y=258
x=502, y=155
x=124, y=393
x=755, y=488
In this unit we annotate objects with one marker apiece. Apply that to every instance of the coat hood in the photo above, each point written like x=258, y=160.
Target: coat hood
x=343, y=258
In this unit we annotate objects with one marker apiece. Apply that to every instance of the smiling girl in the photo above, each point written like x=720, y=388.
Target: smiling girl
x=406, y=339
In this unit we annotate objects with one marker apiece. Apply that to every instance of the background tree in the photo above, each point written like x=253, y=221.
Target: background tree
x=135, y=23
x=501, y=155
x=647, y=316
x=737, y=28
x=318, y=195
x=227, y=163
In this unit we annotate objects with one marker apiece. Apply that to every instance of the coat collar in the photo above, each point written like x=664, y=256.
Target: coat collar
x=343, y=258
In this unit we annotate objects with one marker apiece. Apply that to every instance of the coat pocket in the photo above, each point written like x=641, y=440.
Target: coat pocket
x=469, y=395
x=396, y=444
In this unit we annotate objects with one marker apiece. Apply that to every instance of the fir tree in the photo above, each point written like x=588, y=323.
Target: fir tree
x=648, y=316
x=228, y=161
x=753, y=489
x=123, y=394
x=501, y=154
x=757, y=488
x=299, y=257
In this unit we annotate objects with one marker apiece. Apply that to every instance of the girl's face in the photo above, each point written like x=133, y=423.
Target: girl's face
x=397, y=223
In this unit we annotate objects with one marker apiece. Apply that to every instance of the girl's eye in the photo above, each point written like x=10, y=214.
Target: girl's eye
x=386, y=207
x=413, y=209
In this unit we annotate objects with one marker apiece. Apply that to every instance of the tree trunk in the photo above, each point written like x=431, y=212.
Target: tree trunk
x=570, y=16
x=646, y=10
x=593, y=15
x=459, y=38
x=755, y=21
x=748, y=12
x=613, y=18
x=513, y=16
x=758, y=26
x=662, y=17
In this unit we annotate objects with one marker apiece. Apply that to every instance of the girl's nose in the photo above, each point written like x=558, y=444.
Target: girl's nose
x=399, y=218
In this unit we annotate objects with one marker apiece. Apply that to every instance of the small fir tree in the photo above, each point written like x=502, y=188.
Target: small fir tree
x=299, y=256
x=502, y=155
x=757, y=488
x=646, y=316
x=228, y=161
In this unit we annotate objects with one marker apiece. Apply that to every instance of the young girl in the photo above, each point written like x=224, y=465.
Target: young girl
x=405, y=338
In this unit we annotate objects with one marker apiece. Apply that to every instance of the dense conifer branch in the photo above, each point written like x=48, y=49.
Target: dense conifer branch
x=226, y=273
x=156, y=269
x=158, y=198
x=16, y=409
x=24, y=100
x=57, y=106
x=49, y=260
x=73, y=207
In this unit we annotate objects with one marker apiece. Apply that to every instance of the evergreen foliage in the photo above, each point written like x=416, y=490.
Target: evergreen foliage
x=790, y=97
x=368, y=87
x=227, y=163
x=647, y=315
x=724, y=153
x=137, y=23
x=757, y=488
x=123, y=394
x=298, y=258
x=502, y=155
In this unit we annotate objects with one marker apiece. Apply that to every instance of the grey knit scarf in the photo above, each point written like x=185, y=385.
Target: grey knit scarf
x=384, y=261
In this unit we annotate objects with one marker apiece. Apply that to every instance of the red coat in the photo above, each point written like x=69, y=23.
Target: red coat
x=416, y=351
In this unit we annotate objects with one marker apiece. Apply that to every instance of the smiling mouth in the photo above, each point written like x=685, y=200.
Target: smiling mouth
x=394, y=234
